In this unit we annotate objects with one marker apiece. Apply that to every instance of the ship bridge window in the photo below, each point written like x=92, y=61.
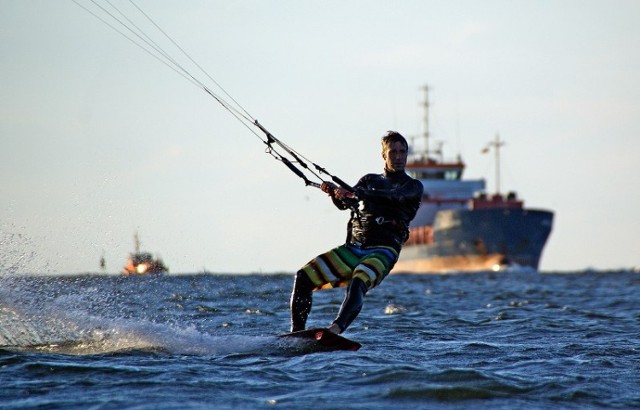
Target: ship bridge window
x=452, y=175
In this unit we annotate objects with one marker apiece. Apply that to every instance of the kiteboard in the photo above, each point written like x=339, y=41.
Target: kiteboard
x=324, y=339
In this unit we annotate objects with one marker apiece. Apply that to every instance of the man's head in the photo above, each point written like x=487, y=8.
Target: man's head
x=394, y=151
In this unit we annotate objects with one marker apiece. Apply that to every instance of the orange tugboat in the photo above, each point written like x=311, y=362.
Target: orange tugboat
x=142, y=263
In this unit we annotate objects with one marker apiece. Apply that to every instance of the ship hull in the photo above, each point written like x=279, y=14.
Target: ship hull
x=478, y=240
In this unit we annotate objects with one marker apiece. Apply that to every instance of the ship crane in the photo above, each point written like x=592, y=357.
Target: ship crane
x=495, y=144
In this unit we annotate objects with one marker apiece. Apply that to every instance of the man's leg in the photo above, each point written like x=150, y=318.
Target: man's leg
x=301, y=299
x=371, y=270
x=351, y=306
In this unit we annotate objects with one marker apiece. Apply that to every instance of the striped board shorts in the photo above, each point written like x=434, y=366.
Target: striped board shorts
x=340, y=265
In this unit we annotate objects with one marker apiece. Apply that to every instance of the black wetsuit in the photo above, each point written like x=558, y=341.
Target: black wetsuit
x=389, y=203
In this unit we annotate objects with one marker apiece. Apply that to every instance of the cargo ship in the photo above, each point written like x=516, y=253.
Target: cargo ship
x=461, y=228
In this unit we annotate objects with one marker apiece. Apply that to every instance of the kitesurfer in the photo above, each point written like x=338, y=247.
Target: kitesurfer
x=382, y=207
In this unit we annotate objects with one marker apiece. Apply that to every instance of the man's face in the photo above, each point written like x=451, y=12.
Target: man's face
x=395, y=156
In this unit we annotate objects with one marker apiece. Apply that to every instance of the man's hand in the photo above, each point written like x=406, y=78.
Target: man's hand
x=328, y=187
x=334, y=191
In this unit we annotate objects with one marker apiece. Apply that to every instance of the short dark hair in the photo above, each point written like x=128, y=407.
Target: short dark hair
x=391, y=137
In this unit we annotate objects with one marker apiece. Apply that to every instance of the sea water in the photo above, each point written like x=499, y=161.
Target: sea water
x=466, y=341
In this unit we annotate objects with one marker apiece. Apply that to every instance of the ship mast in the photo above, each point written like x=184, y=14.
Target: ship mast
x=425, y=134
x=136, y=240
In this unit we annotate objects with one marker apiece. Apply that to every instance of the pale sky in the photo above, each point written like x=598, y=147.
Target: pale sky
x=98, y=139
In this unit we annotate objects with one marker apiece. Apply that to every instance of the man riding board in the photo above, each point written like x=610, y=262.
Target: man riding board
x=382, y=206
